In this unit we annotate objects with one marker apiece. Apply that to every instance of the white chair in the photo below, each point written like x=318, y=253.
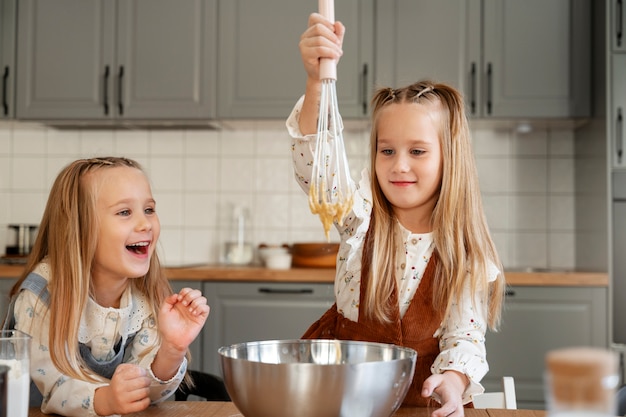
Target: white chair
x=505, y=399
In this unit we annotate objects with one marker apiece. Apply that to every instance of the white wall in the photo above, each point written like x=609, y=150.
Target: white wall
x=527, y=182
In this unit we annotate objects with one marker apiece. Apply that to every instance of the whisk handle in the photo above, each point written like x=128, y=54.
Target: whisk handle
x=328, y=67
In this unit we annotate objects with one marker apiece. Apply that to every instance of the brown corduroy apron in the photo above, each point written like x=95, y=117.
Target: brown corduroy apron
x=414, y=330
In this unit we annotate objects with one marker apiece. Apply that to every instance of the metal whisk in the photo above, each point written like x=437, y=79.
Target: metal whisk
x=330, y=194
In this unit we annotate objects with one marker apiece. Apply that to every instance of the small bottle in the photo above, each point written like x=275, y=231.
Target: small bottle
x=238, y=249
x=581, y=381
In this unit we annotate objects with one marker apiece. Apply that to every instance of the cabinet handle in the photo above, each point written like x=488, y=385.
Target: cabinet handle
x=364, y=88
x=489, y=86
x=619, y=146
x=5, y=102
x=120, y=81
x=619, y=16
x=473, y=88
x=285, y=290
x=509, y=293
x=106, y=90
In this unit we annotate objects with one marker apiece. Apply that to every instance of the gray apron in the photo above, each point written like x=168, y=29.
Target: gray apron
x=39, y=286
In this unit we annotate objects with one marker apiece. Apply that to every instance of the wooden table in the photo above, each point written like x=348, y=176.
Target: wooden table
x=227, y=409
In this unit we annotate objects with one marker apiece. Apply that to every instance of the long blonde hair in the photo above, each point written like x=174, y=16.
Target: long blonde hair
x=461, y=236
x=67, y=241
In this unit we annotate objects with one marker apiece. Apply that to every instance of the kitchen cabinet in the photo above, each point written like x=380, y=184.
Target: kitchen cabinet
x=116, y=60
x=247, y=311
x=536, y=320
x=5, y=288
x=487, y=51
x=8, y=16
x=617, y=94
x=260, y=70
x=616, y=25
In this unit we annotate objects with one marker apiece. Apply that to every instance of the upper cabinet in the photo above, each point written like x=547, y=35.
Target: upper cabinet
x=617, y=95
x=511, y=58
x=260, y=70
x=7, y=58
x=617, y=25
x=130, y=59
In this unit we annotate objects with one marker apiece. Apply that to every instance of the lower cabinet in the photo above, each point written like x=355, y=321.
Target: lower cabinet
x=536, y=320
x=5, y=288
x=244, y=312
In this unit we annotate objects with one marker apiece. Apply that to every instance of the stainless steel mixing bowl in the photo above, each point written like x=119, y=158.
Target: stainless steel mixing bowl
x=317, y=378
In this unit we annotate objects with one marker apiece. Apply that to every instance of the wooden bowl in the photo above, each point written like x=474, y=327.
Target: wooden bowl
x=314, y=255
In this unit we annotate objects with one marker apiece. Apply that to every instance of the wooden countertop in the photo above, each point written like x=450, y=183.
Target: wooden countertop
x=327, y=275
x=227, y=409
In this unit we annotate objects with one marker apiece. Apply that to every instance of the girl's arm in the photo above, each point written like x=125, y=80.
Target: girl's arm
x=322, y=39
x=462, y=343
x=181, y=319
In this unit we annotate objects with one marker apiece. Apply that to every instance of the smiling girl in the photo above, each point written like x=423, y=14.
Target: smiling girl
x=108, y=335
x=416, y=266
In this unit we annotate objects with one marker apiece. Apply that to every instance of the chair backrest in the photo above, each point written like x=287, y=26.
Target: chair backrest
x=505, y=399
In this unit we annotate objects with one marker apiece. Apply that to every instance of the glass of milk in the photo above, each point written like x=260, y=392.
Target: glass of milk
x=15, y=353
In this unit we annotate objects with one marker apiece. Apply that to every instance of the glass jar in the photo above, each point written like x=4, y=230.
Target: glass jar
x=238, y=249
x=581, y=381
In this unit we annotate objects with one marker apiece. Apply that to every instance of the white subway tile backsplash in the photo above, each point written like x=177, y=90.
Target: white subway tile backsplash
x=531, y=249
x=200, y=210
x=202, y=143
x=97, y=143
x=166, y=173
x=534, y=143
x=5, y=141
x=493, y=174
x=5, y=172
x=562, y=179
x=562, y=213
x=272, y=212
x=488, y=142
x=237, y=143
x=29, y=141
x=561, y=142
x=27, y=207
x=528, y=175
x=529, y=212
x=28, y=173
x=237, y=174
x=273, y=175
x=527, y=184
x=167, y=142
x=562, y=250
x=64, y=142
x=130, y=143
x=169, y=206
x=201, y=174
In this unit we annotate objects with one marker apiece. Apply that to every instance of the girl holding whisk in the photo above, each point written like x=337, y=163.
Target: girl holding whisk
x=417, y=266
x=108, y=335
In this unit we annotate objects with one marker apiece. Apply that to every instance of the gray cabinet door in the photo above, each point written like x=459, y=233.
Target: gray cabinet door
x=260, y=69
x=536, y=320
x=617, y=92
x=165, y=59
x=424, y=39
x=113, y=60
x=244, y=312
x=8, y=16
x=536, y=58
x=617, y=25
x=64, y=50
